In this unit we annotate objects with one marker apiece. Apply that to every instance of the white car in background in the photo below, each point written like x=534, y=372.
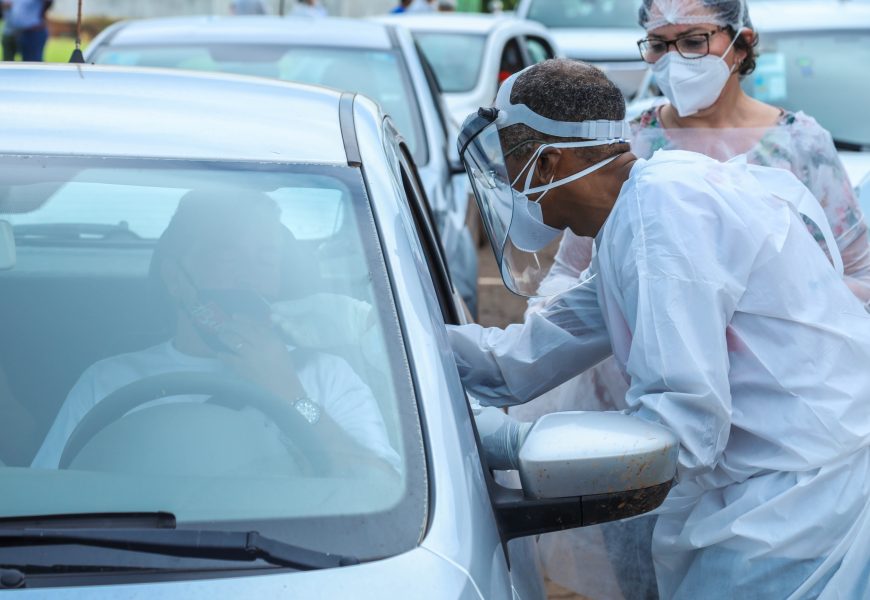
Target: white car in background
x=375, y=59
x=472, y=54
x=601, y=32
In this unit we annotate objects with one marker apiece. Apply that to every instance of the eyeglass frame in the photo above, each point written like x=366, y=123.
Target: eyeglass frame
x=673, y=42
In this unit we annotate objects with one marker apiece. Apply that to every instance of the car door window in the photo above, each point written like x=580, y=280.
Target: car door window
x=538, y=49
x=511, y=60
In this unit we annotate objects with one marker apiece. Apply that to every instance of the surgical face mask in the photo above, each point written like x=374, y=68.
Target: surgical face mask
x=212, y=308
x=692, y=84
x=527, y=230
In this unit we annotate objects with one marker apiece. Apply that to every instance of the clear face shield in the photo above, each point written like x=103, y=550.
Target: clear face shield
x=524, y=245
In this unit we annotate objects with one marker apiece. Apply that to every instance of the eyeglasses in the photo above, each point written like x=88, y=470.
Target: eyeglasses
x=694, y=45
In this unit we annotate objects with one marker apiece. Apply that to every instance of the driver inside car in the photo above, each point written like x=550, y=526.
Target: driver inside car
x=217, y=267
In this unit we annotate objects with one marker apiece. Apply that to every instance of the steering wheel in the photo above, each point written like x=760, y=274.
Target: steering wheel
x=231, y=392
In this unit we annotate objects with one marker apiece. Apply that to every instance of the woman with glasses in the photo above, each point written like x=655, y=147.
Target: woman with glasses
x=698, y=51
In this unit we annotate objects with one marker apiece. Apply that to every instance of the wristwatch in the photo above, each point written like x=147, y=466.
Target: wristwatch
x=308, y=408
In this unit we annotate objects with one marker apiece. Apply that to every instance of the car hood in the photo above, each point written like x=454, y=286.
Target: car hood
x=421, y=570
x=599, y=44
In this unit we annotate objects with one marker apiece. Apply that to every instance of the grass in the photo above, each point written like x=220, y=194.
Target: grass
x=58, y=49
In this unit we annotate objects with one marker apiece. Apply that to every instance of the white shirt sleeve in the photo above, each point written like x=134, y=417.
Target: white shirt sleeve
x=81, y=399
x=350, y=403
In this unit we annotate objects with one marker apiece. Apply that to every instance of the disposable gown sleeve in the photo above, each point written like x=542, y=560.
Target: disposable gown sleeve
x=677, y=299
x=503, y=367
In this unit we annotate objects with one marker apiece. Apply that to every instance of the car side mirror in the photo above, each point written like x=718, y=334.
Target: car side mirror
x=584, y=468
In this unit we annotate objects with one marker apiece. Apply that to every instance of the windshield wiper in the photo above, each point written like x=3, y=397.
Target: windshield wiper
x=126, y=520
x=185, y=543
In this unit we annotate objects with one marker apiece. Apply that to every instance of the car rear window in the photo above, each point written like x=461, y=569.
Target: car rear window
x=456, y=58
x=560, y=14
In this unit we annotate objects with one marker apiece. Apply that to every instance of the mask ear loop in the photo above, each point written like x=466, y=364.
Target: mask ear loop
x=730, y=46
x=533, y=158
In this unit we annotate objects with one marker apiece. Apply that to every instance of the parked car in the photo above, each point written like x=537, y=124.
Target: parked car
x=116, y=184
x=372, y=58
x=809, y=54
x=472, y=54
x=601, y=32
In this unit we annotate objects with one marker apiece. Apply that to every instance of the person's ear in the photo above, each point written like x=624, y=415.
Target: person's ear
x=547, y=166
x=748, y=36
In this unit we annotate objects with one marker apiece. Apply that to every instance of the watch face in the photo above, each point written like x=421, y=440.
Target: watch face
x=308, y=409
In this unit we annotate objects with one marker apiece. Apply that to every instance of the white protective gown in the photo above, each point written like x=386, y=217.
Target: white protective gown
x=735, y=332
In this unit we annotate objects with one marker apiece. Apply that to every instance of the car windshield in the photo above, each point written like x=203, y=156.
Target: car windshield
x=378, y=74
x=808, y=71
x=212, y=340
x=563, y=14
x=456, y=58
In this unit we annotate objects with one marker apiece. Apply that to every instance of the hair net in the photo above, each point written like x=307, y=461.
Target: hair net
x=725, y=13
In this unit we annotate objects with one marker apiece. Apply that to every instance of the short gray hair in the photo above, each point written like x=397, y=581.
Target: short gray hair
x=563, y=90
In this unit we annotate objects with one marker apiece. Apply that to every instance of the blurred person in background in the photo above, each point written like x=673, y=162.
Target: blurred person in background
x=447, y=6
x=249, y=7
x=309, y=8
x=401, y=7
x=698, y=51
x=25, y=29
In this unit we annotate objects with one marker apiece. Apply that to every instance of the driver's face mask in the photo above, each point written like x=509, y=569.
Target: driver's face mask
x=213, y=308
x=528, y=230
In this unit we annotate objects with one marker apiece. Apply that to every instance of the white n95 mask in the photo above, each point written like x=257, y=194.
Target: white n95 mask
x=692, y=84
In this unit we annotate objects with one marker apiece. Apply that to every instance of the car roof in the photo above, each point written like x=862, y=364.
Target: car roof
x=328, y=31
x=119, y=111
x=805, y=15
x=458, y=22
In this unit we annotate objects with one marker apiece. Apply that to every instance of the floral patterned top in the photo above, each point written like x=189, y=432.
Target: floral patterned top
x=797, y=143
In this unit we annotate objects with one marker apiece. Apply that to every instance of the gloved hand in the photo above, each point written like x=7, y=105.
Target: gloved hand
x=323, y=320
x=500, y=435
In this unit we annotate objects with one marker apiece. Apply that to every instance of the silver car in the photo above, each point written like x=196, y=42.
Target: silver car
x=375, y=59
x=224, y=342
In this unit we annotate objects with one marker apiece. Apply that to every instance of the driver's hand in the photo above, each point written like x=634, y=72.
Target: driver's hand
x=259, y=355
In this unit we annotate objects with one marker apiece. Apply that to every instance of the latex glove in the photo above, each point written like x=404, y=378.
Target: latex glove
x=323, y=320
x=500, y=435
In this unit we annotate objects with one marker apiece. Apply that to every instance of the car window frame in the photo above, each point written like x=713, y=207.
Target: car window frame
x=433, y=250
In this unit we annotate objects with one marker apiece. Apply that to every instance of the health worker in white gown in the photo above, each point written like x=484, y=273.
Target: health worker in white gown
x=733, y=327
